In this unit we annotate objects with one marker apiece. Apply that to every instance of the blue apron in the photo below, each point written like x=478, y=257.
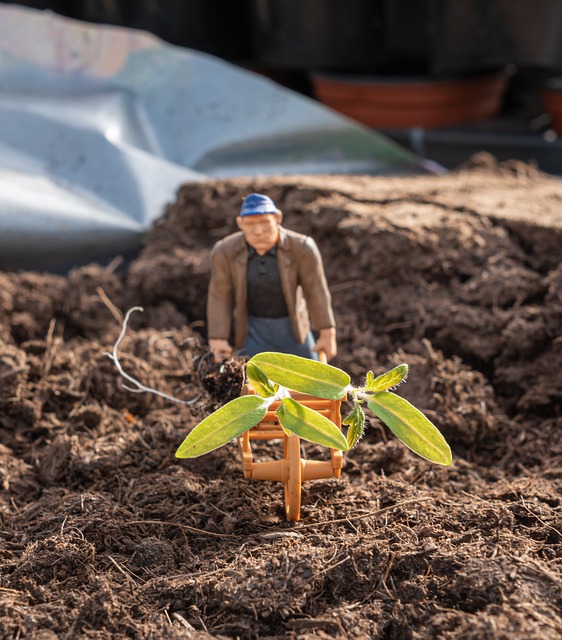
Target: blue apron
x=275, y=334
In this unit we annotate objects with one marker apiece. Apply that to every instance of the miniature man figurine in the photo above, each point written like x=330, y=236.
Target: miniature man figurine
x=270, y=281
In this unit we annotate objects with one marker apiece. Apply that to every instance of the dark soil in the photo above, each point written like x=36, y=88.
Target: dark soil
x=103, y=534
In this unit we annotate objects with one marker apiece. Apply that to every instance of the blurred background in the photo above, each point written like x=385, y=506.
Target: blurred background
x=443, y=78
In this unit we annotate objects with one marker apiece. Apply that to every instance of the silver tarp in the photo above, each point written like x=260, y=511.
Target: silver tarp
x=100, y=125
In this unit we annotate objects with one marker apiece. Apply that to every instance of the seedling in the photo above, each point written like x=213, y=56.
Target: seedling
x=289, y=398
x=274, y=375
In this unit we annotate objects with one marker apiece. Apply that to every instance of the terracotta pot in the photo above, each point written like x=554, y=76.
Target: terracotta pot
x=404, y=103
x=552, y=99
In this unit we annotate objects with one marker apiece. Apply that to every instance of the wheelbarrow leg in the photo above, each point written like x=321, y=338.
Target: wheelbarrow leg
x=292, y=453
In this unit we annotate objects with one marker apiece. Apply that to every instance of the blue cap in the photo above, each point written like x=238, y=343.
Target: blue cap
x=256, y=204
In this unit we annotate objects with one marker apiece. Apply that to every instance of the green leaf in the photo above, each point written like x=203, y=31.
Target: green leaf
x=220, y=427
x=356, y=422
x=388, y=380
x=310, y=424
x=410, y=426
x=260, y=381
x=304, y=375
x=286, y=431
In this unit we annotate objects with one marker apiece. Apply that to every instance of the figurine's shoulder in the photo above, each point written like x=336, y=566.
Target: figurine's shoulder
x=231, y=245
x=293, y=241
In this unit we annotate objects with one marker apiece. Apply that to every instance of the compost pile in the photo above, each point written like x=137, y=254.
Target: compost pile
x=104, y=534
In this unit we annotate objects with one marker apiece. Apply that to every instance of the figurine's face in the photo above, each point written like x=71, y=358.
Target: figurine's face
x=261, y=231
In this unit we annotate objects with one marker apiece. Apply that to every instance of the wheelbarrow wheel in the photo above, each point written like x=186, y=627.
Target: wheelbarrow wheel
x=292, y=453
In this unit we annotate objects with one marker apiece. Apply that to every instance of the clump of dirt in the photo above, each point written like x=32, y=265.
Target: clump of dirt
x=103, y=533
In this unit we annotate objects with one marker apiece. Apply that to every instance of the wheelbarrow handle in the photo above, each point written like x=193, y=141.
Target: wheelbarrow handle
x=322, y=356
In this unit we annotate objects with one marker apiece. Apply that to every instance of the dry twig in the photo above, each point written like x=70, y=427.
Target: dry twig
x=138, y=386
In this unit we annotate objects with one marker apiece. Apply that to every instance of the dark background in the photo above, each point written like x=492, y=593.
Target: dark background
x=290, y=40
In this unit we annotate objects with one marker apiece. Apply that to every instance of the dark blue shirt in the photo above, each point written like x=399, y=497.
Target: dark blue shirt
x=265, y=295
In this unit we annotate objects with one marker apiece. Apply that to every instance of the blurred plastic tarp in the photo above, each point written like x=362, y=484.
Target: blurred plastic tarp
x=99, y=126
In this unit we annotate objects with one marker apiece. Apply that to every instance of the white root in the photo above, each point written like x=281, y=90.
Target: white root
x=138, y=387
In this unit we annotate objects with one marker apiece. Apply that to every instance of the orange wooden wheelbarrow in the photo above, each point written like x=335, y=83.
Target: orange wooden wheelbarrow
x=292, y=470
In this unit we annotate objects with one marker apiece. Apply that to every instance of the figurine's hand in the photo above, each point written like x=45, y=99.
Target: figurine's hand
x=220, y=348
x=327, y=342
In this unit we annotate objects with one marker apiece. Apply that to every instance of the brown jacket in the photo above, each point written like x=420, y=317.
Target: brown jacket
x=302, y=280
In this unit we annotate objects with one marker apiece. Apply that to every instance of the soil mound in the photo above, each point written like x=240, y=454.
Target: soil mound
x=104, y=534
